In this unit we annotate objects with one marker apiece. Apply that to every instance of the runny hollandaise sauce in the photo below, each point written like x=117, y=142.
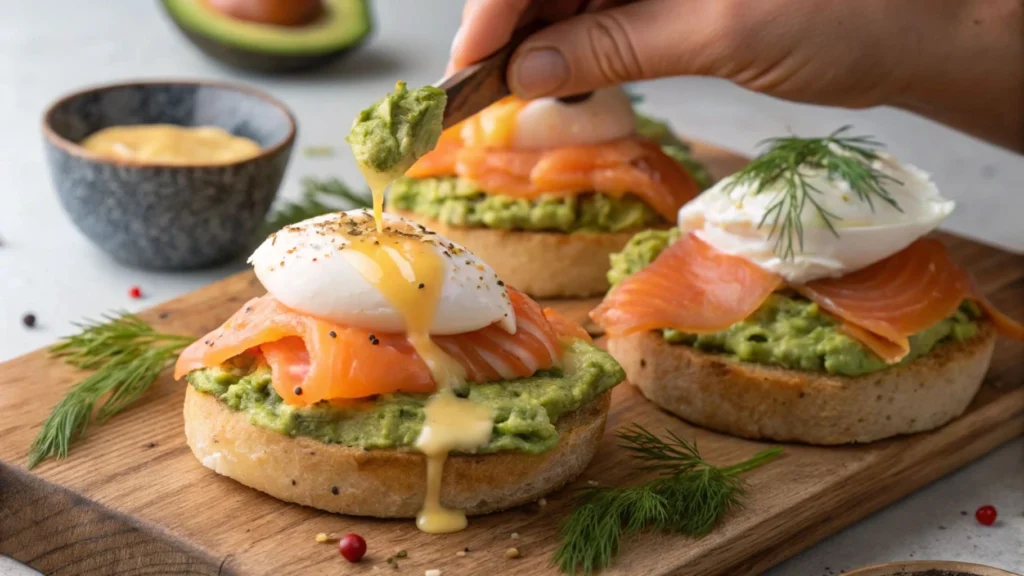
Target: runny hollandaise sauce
x=410, y=273
x=170, y=144
x=451, y=423
x=379, y=182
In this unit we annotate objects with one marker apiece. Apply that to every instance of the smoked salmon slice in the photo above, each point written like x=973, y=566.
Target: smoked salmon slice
x=1004, y=324
x=691, y=287
x=894, y=298
x=565, y=328
x=313, y=360
x=440, y=160
x=628, y=166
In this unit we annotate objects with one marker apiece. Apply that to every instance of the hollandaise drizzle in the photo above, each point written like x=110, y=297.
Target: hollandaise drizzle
x=409, y=272
x=379, y=182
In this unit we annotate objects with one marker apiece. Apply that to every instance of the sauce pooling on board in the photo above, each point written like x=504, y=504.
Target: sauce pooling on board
x=410, y=274
x=170, y=144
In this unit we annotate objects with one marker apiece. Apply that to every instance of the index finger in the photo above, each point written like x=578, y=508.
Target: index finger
x=487, y=25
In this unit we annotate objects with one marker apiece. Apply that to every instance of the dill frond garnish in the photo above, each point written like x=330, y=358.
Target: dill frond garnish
x=782, y=169
x=318, y=197
x=689, y=496
x=126, y=355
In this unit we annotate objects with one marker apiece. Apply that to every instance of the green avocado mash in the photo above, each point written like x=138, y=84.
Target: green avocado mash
x=458, y=202
x=391, y=135
x=788, y=330
x=640, y=251
x=673, y=146
x=526, y=410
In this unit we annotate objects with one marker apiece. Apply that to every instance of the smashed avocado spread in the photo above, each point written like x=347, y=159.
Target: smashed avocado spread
x=526, y=410
x=674, y=147
x=458, y=202
x=391, y=135
x=788, y=330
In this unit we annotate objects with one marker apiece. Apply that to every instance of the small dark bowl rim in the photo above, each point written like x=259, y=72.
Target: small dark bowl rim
x=75, y=149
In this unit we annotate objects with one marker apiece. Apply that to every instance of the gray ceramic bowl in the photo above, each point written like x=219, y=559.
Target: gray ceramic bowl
x=157, y=216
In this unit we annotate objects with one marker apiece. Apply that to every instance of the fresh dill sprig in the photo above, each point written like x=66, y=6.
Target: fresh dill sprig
x=318, y=197
x=783, y=167
x=689, y=496
x=126, y=355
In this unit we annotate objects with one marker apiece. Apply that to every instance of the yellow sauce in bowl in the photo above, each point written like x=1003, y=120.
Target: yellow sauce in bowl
x=170, y=144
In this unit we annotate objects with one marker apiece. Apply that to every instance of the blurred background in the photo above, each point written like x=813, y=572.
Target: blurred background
x=49, y=269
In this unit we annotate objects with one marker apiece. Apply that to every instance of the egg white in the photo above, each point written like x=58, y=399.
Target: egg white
x=550, y=123
x=331, y=288
x=729, y=221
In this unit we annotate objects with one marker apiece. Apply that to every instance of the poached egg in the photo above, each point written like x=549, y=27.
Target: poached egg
x=317, y=267
x=729, y=218
x=605, y=115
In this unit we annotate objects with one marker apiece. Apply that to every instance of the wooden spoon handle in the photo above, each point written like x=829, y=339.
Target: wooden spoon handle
x=479, y=85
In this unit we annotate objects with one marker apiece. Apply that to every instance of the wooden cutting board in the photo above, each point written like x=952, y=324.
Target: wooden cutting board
x=132, y=499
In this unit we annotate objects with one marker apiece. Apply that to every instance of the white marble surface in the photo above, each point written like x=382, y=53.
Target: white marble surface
x=49, y=47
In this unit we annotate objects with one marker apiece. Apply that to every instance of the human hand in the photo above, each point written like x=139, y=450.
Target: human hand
x=957, y=61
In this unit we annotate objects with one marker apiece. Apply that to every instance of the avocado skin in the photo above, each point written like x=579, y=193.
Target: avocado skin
x=268, y=63
x=265, y=62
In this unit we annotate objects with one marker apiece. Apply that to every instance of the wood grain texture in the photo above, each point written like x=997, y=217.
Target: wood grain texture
x=132, y=499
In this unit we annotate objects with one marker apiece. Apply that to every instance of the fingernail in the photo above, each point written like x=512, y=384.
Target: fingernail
x=540, y=71
x=456, y=41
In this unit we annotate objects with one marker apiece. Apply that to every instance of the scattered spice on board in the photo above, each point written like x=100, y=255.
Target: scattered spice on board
x=352, y=547
x=986, y=515
x=29, y=320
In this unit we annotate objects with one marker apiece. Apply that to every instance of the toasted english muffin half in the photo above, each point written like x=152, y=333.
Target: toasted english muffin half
x=766, y=402
x=541, y=264
x=386, y=483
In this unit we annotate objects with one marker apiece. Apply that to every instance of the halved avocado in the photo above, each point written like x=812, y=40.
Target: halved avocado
x=340, y=26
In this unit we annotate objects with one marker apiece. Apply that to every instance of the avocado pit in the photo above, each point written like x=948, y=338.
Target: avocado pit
x=273, y=12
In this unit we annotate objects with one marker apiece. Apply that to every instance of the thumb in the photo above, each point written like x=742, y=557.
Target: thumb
x=637, y=41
